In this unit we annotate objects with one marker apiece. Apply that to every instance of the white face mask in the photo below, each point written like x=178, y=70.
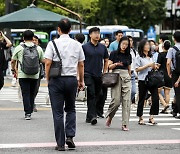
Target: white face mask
x=153, y=47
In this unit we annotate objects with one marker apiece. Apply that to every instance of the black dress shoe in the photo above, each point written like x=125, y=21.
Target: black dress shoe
x=93, y=121
x=88, y=121
x=60, y=148
x=70, y=143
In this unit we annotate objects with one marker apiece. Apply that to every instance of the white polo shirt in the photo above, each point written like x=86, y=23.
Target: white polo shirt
x=71, y=53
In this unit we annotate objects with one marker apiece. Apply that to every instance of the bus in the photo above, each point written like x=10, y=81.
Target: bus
x=107, y=32
x=16, y=35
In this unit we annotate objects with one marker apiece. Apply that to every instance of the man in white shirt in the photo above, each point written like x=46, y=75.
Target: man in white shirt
x=62, y=89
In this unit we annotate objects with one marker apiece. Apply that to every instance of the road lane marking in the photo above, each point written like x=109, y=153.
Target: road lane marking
x=96, y=143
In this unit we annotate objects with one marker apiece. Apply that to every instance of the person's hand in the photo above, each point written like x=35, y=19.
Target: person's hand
x=176, y=84
x=119, y=64
x=170, y=75
x=80, y=85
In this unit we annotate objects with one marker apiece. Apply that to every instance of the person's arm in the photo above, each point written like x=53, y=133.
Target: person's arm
x=13, y=65
x=48, y=63
x=81, y=75
x=177, y=82
x=139, y=69
x=129, y=70
x=8, y=42
x=168, y=66
x=105, y=65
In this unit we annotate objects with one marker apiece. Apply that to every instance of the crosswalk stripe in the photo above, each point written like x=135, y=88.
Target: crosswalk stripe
x=11, y=94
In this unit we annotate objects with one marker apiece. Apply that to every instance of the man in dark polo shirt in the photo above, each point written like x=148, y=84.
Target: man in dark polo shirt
x=95, y=53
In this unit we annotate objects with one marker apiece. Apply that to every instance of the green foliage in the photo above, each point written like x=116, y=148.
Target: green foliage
x=133, y=13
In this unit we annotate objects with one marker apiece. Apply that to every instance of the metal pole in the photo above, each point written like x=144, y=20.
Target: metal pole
x=70, y=11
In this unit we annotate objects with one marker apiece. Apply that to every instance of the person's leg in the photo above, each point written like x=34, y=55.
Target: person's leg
x=115, y=101
x=155, y=104
x=1, y=80
x=33, y=86
x=177, y=91
x=70, y=95
x=142, y=91
x=99, y=96
x=133, y=88
x=25, y=89
x=167, y=95
x=161, y=97
x=56, y=93
x=36, y=92
x=91, y=98
x=126, y=103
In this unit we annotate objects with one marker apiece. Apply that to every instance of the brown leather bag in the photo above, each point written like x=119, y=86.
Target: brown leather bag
x=110, y=79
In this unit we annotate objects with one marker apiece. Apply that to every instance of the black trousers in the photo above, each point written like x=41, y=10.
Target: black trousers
x=175, y=77
x=101, y=101
x=94, y=85
x=62, y=92
x=1, y=79
x=28, y=87
x=143, y=89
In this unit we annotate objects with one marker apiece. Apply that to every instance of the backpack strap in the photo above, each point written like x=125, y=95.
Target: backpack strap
x=57, y=52
x=177, y=49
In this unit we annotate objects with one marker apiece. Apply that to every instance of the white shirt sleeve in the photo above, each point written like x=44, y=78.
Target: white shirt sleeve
x=49, y=53
x=81, y=54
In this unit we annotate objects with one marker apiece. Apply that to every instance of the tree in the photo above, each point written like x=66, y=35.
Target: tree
x=133, y=13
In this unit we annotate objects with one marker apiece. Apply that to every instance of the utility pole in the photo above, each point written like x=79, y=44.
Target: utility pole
x=7, y=6
x=67, y=10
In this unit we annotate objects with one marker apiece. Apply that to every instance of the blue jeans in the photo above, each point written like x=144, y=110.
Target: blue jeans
x=133, y=88
x=62, y=92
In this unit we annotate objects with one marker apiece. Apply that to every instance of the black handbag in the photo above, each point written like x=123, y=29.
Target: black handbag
x=155, y=79
x=110, y=79
x=56, y=66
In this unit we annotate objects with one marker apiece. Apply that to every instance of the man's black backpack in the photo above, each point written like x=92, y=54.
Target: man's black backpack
x=177, y=57
x=30, y=60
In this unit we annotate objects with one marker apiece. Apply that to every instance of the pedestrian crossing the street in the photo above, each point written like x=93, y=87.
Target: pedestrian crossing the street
x=11, y=94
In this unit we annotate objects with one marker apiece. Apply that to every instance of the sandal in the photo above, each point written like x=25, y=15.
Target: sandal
x=124, y=128
x=141, y=122
x=152, y=122
x=108, y=122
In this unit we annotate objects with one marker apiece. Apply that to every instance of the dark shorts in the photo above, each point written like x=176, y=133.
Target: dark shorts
x=168, y=81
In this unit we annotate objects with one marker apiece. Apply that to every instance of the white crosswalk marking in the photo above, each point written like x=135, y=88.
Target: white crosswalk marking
x=11, y=94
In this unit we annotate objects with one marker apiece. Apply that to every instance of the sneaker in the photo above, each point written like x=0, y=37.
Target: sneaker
x=28, y=117
x=70, y=143
x=60, y=148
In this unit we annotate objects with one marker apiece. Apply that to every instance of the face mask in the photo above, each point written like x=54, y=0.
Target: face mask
x=153, y=47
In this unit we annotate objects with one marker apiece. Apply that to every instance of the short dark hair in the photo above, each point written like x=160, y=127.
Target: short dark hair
x=167, y=44
x=80, y=37
x=177, y=36
x=64, y=25
x=94, y=29
x=163, y=37
x=36, y=37
x=130, y=37
x=119, y=31
x=28, y=35
x=125, y=38
x=141, y=48
x=152, y=41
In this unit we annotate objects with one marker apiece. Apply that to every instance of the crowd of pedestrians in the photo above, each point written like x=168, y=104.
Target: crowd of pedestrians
x=70, y=65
